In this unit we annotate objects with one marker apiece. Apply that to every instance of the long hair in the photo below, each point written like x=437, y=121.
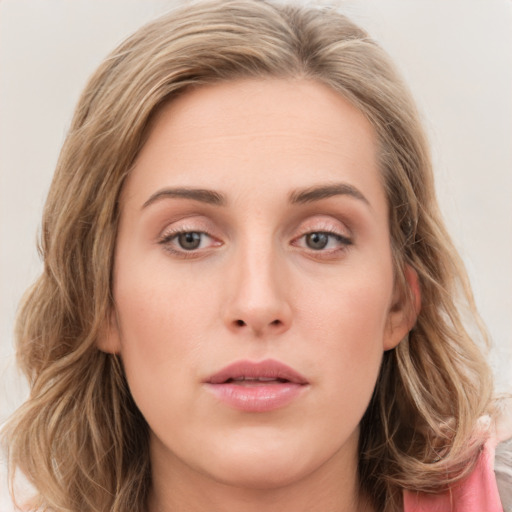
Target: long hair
x=80, y=438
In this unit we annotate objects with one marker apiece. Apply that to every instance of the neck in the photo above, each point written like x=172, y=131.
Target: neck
x=331, y=487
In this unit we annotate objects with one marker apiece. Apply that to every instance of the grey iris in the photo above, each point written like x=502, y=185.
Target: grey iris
x=317, y=241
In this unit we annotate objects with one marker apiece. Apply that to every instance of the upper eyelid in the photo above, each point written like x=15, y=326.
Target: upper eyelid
x=328, y=225
x=197, y=223
x=324, y=229
x=170, y=234
x=323, y=222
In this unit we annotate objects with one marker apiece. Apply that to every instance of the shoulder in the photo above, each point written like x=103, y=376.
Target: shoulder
x=488, y=487
x=503, y=457
x=503, y=471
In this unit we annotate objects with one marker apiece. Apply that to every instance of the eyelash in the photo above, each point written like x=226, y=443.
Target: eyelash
x=169, y=237
x=343, y=241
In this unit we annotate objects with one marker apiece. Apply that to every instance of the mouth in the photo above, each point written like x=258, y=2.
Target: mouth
x=257, y=386
x=262, y=372
x=254, y=381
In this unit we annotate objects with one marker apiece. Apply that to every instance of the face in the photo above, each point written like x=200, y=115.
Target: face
x=253, y=283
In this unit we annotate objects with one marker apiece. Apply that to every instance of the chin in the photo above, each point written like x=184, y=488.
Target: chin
x=265, y=465
x=264, y=474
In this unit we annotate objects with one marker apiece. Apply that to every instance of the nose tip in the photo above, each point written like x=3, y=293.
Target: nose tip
x=257, y=303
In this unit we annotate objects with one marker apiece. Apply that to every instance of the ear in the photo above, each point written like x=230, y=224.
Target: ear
x=109, y=339
x=404, y=310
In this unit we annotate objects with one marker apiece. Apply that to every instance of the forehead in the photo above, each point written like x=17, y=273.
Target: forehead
x=290, y=133
x=295, y=107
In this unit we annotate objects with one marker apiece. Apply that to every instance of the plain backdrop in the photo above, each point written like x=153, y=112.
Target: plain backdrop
x=456, y=56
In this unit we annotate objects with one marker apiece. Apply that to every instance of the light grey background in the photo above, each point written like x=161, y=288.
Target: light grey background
x=455, y=54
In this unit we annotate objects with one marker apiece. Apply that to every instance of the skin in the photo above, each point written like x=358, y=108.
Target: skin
x=255, y=289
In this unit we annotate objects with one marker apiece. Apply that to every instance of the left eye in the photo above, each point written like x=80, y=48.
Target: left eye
x=320, y=240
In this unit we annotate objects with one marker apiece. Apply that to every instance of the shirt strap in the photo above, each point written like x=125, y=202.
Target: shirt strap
x=477, y=492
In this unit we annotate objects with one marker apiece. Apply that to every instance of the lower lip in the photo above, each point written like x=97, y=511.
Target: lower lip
x=257, y=397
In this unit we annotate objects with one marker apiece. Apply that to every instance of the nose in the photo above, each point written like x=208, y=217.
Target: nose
x=258, y=295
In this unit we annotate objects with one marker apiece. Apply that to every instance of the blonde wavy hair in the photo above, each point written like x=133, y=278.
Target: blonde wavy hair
x=79, y=438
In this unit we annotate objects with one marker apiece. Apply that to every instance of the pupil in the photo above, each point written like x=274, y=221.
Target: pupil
x=190, y=240
x=317, y=240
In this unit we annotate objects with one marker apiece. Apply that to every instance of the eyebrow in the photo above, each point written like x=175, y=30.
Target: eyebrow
x=196, y=194
x=302, y=196
x=317, y=193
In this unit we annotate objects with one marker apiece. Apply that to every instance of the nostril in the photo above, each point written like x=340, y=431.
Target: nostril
x=277, y=323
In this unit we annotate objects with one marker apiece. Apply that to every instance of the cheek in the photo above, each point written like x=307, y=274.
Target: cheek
x=347, y=324
x=350, y=309
x=162, y=335
x=158, y=307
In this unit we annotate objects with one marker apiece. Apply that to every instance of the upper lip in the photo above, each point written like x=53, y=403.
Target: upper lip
x=269, y=369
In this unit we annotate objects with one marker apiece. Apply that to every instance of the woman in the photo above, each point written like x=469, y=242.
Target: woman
x=249, y=299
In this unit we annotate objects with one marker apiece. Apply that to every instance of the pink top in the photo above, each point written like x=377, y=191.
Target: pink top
x=476, y=493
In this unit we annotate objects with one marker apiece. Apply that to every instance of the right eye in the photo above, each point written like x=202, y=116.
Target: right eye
x=190, y=240
x=185, y=241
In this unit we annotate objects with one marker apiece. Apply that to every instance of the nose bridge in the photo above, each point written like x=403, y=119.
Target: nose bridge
x=257, y=296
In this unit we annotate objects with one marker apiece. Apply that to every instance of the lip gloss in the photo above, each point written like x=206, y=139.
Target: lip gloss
x=255, y=396
x=257, y=386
